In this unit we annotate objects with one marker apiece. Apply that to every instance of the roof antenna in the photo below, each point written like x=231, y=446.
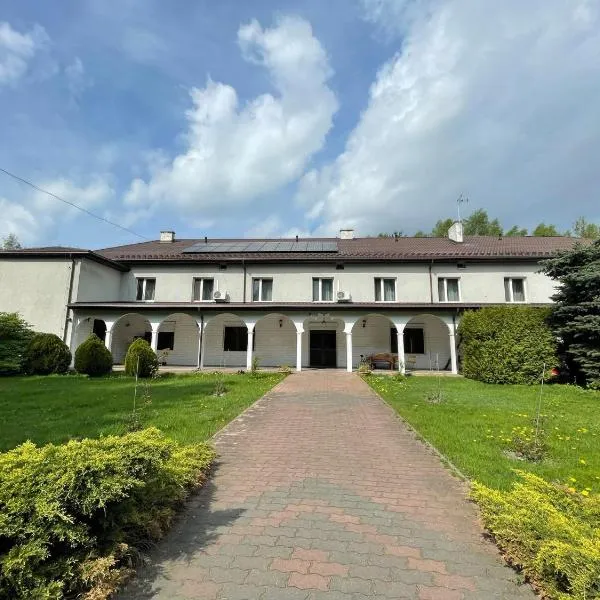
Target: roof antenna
x=296, y=238
x=205, y=240
x=462, y=199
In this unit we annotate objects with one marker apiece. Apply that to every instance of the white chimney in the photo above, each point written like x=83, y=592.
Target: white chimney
x=167, y=236
x=346, y=234
x=455, y=233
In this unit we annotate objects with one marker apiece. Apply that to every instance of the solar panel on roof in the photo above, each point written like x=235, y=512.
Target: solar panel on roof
x=269, y=246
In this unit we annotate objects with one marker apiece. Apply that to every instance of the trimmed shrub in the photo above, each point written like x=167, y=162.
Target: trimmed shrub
x=15, y=335
x=46, y=354
x=507, y=344
x=148, y=361
x=549, y=531
x=74, y=516
x=93, y=358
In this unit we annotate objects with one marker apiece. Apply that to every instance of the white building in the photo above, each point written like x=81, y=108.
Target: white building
x=299, y=302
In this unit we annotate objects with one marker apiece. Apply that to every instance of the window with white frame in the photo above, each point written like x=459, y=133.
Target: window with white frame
x=514, y=289
x=262, y=290
x=385, y=289
x=322, y=289
x=448, y=289
x=145, y=288
x=203, y=289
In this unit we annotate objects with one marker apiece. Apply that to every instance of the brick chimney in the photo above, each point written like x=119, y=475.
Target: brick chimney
x=455, y=233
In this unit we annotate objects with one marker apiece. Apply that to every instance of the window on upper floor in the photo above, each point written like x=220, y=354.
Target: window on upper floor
x=385, y=289
x=203, y=289
x=448, y=289
x=322, y=289
x=145, y=288
x=262, y=290
x=514, y=289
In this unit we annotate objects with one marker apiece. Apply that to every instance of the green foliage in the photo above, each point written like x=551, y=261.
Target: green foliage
x=516, y=231
x=46, y=354
x=11, y=242
x=93, y=358
x=15, y=335
x=72, y=516
x=575, y=316
x=506, y=344
x=254, y=367
x=141, y=358
x=543, y=230
x=583, y=229
x=549, y=531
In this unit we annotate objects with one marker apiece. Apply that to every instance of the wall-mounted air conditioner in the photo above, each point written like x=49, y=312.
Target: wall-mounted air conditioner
x=343, y=296
x=219, y=296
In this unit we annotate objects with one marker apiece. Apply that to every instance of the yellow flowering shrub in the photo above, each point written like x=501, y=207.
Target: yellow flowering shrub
x=73, y=515
x=549, y=531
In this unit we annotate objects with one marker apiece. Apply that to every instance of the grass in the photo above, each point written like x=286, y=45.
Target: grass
x=475, y=422
x=63, y=407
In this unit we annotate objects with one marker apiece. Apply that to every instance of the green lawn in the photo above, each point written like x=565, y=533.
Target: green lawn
x=59, y=408
x=474, y=421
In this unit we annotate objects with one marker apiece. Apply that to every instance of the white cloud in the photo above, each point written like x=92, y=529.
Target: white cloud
x=36, y=215
x=77, y=80
x=498, y=100
x=17, y=50
x=236, y=153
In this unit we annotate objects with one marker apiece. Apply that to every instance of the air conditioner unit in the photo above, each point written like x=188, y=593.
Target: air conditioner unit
x=219, y=296
x=343, y=296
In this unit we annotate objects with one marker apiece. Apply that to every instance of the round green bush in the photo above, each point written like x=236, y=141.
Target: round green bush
x=93, y=358
x=46, y=354
x=507, y=344
x=148, y=361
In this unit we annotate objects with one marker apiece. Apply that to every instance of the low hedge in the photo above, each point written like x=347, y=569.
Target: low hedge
x=72, y=516
x=141, y=359
x=507, y=344
x=46, y=354
x=93, y=358
x=551, y=532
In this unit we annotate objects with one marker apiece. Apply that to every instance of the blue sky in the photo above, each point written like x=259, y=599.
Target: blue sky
x=273, y=118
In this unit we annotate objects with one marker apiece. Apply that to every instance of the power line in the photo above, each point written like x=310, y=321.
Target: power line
x=85, y=210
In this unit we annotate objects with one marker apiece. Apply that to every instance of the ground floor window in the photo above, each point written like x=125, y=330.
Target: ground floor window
x=99, y=329
x=414, y=341
x=235, y=339
x=166, y=340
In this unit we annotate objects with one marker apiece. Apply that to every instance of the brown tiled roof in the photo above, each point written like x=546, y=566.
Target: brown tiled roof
x=64, y=252
x=358, y=249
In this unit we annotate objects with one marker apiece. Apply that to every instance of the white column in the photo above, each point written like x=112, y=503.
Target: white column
x=299, y=350
x=108, y=336
x=401, y=356
x=154, y=340
x=349, y=351
x=453, y=361
x=249, y=350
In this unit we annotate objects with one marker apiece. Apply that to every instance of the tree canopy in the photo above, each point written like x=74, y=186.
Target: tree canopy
x=11, y=242
x=575, y=316
x=479, y=223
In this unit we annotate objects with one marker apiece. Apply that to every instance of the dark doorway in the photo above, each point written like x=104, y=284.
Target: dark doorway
x=99, y=329
x=323, y=349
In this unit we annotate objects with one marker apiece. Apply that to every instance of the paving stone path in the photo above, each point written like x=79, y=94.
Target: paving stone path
x=320, y=492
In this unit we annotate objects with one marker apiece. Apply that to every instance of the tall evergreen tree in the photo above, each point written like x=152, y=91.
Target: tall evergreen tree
x=575, y=318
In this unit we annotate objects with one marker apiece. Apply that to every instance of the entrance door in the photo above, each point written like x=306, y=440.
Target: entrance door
x=323, y=349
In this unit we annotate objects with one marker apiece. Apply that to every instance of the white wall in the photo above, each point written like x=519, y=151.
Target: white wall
x=96, y=283
x=186, y=339
x=293, y=282
x=38, y=290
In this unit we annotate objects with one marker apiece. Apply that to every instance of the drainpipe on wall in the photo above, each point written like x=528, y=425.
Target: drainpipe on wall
x=201, y=336
x=430, y=283
x=69, y=299
x=244, y=267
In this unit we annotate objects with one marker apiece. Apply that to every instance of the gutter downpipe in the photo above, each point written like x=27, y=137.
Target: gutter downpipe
x=430, y=283
x=69, y=299
x=244, y=267
x=201, y=340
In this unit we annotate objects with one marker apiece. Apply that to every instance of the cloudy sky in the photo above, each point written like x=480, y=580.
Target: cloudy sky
x=277, y=117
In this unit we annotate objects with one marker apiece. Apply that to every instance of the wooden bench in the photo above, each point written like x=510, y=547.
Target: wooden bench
x=383, y=357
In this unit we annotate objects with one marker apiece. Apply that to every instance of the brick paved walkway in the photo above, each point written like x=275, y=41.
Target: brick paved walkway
x=320, y=492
